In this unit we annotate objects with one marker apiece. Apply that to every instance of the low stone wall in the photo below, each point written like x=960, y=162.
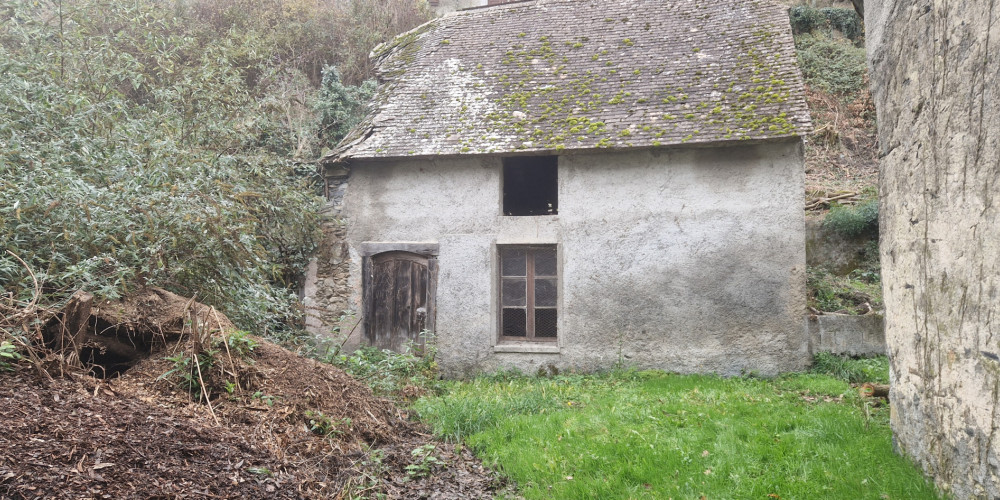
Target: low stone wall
x=846, y=334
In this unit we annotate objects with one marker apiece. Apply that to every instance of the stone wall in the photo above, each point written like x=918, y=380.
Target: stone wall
x=325, y=294
x=830, y=250
x=686, y=259
x=846, y=334
x=934, y=68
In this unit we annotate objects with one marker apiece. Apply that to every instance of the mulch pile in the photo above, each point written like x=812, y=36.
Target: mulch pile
x=252, y=432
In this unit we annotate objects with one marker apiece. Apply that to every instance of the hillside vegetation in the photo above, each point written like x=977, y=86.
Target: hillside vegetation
x=170, y=143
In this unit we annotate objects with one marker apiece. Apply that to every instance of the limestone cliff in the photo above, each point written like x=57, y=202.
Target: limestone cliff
x=934, y=68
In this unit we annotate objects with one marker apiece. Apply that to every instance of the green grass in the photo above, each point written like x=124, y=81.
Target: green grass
x=852, y=370
x=658, y=435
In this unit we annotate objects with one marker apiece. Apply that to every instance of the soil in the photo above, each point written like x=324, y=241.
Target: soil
x=265, y=423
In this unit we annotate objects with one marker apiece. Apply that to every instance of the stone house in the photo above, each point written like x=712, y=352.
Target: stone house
x=574, y=184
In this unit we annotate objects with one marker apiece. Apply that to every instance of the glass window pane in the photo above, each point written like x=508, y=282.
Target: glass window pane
x=545, y=323
x=514, y=324
x=545, y=262
x=513, y=292
x=512, y=262
x=545, y=292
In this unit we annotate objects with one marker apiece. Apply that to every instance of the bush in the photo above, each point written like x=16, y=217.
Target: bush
x=835, y=66
x=806, y=19
x=853, y=221
x=171, y=144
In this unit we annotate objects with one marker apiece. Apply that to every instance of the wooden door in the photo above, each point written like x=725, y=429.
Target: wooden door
x=400, y=300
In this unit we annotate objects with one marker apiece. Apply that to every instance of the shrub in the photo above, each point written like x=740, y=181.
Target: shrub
x=833, y=65
x=806, y=19
x=853, y=221
x=389, y=373
x=171, y=144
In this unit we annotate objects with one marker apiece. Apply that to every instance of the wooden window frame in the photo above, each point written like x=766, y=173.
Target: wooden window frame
x=530, y=307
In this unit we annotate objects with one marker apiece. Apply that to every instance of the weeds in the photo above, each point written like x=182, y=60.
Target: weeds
x=424, y=461
x=859, y=292
x=835, y=66
x=186, y=370
x=389, y=373
x=805, y=19
x=855, y=371
x=322, y=425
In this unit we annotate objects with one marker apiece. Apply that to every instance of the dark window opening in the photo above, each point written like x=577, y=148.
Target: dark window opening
x=528, y=293
x=530, y=185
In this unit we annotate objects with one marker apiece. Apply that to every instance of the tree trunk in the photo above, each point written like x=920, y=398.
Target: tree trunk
x=934, y=68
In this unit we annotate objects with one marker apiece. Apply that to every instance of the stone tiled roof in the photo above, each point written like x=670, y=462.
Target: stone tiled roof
x=551, y=75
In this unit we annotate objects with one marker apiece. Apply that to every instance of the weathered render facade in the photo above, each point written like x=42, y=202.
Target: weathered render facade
x=572, y=184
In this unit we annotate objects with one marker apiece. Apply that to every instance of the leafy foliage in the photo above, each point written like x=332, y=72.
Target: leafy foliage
x=390, y=373
x=340, y=106
x=322, y=425
x=806, y=19
x=169, y=144
x=833, y=65
x=852, y=221
x=9, y=356
x=424, y=461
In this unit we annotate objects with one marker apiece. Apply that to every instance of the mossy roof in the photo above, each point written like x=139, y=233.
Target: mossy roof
x=552, y=75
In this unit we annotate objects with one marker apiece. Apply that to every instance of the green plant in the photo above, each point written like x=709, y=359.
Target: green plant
x=190, y=370
x=323, y=425
x=853, y=221
x=388, y=372
x=833, y=65
x=264, y=398
x=9, y=356
x=240, y=343
x=172, y=144
x=857, y=371
x=340, y=106
x=806, y=19
x=829, y=292
x=424, y=461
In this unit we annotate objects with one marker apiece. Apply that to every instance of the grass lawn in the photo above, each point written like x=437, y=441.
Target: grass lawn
x=658, y=435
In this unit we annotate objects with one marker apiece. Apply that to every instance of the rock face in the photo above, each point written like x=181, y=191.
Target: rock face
x=934, y=69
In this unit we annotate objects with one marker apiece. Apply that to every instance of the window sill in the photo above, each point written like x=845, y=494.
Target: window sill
x=528, y=348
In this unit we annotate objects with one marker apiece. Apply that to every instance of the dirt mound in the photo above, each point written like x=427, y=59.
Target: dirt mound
x=61, y=440
x=271, y=391
x=184, y=405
